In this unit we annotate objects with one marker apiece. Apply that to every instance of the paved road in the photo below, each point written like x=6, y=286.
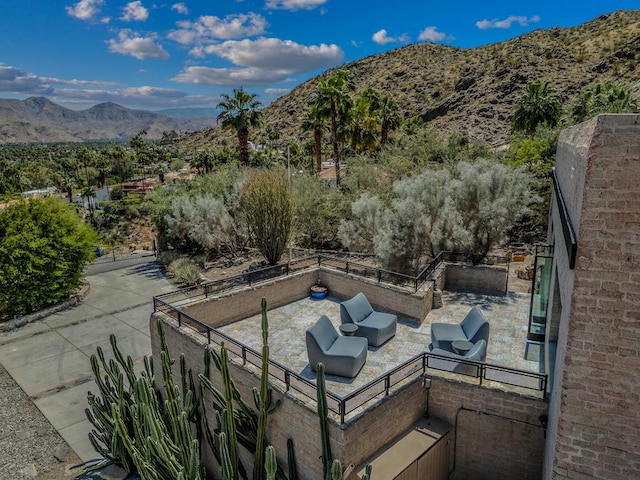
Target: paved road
x=49, y=359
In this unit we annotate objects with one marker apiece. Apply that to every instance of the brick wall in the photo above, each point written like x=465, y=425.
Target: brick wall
x=594, y=420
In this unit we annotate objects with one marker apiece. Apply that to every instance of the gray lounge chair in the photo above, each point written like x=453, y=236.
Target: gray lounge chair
x=342, y=356
x=473, y=328
x=376, y=327
x=478, y=353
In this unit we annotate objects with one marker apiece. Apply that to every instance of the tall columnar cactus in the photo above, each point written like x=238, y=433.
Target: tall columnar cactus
x=134, y=427
x=323, y=413
x=270, y=463
x=263, y=398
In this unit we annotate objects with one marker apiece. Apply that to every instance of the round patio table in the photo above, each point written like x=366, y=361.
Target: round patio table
x=461, y=347
x=348, y=329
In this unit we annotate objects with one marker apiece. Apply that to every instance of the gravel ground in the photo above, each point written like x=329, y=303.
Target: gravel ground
x=30, y=447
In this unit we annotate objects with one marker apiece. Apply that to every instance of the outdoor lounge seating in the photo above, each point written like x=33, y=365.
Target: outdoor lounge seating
x=478, y=353
x=473, y=328
x=376, y=327
x=342, y=356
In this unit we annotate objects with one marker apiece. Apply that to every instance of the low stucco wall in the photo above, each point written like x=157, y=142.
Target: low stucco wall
x=383, y=297
x=245, y=302
x=477, y=279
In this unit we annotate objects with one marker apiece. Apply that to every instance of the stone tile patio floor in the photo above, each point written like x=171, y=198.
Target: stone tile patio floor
x=287, y=325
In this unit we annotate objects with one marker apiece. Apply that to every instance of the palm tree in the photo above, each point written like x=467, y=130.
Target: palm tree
x=334, y=100
x=240, y=112
x=390, y=117
x=539, y=104
x=315, y=121
x=604, y=97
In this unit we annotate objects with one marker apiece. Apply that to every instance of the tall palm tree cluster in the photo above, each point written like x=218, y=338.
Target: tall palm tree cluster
x=355, y=123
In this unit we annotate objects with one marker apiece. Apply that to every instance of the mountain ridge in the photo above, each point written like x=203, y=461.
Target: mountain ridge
x=472, y=89
x=40, y=120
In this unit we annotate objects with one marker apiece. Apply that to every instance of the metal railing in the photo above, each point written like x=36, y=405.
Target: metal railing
x=377, y=388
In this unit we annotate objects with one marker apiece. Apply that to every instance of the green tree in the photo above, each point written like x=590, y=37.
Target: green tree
x=608, y=96
x=390, y=117
x=333, y=98
x=315, y=122
x=539, y=104
x=44, y=247
x=268, y=207
x=240, y=112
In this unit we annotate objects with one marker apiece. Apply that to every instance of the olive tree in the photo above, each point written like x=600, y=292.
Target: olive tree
x=205, y=222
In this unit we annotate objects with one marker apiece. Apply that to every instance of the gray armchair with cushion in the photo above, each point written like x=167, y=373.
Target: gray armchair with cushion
x=478, y=353
x=343, y=356
x=473, y=328
x=376, y=327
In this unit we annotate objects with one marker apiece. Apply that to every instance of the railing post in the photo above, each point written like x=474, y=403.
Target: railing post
x=379, y=275
x=387, y=385
x=179, y=318
x=208, y=336
x=342, y=411
x=346, y=267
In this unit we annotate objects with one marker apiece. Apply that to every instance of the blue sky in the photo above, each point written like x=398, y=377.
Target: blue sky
x=147, y=55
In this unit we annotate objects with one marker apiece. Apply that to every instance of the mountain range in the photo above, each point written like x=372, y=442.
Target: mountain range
x=472, y=89
x=39, y=120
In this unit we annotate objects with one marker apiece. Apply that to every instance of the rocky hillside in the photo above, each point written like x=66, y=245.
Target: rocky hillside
x=456, y=89
x=39, y=120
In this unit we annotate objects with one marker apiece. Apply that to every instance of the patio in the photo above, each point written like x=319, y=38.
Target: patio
x=287, y=325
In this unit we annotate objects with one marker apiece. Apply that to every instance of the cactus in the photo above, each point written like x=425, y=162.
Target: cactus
x=263, y=399
x=270, y=463
x=291, y=460
x=133, y=428
x=323, y=414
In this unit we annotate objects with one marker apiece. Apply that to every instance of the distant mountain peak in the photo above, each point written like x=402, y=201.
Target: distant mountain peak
x=39, y=120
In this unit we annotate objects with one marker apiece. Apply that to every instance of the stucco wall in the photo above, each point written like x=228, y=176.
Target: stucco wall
x=468, y=278
x=594, y=422
x=501, y=438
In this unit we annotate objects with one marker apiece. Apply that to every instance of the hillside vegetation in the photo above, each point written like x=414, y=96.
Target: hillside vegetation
x=474, y=90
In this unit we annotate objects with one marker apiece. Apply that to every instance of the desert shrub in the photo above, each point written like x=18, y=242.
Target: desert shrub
x=184, y=271
x=205, y=222
x=268, y=207
x=318, y=211
x=44, y=247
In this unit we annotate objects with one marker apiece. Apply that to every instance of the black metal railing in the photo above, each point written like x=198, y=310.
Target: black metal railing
x=379, y=387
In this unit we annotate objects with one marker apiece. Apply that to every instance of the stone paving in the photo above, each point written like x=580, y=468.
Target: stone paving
x=287, y=325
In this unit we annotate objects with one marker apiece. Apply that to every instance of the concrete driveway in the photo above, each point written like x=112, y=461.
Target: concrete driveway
x=49, y=358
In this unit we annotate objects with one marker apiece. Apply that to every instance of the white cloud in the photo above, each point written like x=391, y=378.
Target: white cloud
x=181, y=8
x=230, y=77
x=382, y=38
x=144, y=97
x=130, y=43
x=14, y=80
x=293, y=4
x=277, y=92
x=85, y=9
x=431, y=34
x=507, y=22
x=209, y=28
x=276, y=54
x=134, y=11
